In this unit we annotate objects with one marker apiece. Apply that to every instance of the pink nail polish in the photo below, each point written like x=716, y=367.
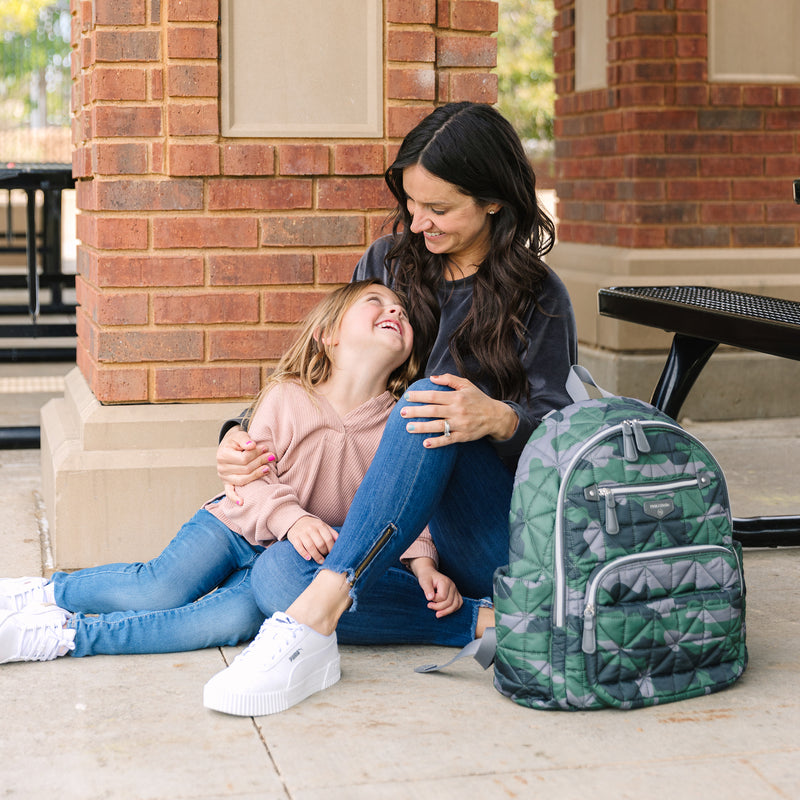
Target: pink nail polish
x=271, y=457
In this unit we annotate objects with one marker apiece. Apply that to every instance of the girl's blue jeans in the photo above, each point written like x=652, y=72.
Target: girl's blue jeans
x=462, y=492
x=196, y=594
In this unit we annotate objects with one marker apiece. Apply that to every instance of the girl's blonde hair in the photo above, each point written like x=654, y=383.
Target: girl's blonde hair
x=309, y=360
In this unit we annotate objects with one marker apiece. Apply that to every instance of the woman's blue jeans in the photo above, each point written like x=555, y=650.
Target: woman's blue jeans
x=462, y=492
x=196, y=594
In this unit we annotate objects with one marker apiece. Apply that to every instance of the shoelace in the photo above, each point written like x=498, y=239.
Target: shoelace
x=42, y=642
x=276, y=634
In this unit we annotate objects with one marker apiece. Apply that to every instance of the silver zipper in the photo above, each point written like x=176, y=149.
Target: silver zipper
x=610, y=493
x=589, y=642
x=560, y=600
x=647, y=488
x=558, y=551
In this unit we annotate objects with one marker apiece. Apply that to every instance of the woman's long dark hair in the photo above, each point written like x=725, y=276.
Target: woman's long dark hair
x=473, y=147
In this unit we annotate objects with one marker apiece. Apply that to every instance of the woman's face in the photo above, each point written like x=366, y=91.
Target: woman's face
x=452, y=223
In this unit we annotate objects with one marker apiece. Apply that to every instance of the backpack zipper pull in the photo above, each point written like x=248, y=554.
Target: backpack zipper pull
x=612, y=523
x=629, y=451
x=640, y=437
x=588, y=642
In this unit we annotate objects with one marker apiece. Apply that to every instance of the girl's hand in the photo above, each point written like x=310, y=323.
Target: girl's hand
x=240, y=461
x=468, y=412
x=441, y=593
x=312, y=538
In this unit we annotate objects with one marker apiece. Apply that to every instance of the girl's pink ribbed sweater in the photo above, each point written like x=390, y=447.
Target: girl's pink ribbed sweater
x=321, y=460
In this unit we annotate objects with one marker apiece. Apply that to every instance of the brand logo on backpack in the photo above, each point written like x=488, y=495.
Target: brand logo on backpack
x=658, y=508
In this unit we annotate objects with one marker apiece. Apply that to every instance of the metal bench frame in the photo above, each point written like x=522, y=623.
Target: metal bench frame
x=40, y=246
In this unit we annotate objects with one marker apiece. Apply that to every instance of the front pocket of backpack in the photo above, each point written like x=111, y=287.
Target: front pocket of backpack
x=664, y=625
x=523, y=619
x=622, y=506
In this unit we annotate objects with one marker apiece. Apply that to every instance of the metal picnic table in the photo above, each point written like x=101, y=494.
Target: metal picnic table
x=701, y=318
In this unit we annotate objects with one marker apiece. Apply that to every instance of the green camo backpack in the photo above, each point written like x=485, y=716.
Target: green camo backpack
x=624, y=586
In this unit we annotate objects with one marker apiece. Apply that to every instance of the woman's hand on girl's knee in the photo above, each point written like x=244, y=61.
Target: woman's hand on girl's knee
x=462, y=415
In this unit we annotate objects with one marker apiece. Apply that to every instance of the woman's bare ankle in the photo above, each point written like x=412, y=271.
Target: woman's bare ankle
x=323, y=602
x=485, y=620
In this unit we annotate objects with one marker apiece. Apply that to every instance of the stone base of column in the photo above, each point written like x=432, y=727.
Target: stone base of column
x=119, y=481
x=735, y=384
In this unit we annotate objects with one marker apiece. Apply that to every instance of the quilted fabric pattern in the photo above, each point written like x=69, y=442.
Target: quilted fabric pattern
x=624, y=586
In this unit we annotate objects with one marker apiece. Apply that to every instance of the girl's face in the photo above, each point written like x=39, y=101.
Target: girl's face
x=453, y=223
x=377, y=323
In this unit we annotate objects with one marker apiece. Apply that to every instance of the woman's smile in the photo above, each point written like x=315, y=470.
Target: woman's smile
x=451, y=222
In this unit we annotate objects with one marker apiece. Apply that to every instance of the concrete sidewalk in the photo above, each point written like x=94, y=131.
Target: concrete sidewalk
x=134, y=727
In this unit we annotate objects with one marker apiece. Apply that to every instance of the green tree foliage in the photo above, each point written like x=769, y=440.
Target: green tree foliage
x=525, y=66
x=34, y=52
x=20, y=17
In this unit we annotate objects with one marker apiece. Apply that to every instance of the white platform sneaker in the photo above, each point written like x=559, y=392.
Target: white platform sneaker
x=36, y=633
x=16, y=593
x=283, y=665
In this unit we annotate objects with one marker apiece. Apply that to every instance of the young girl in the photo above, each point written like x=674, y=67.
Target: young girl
x=322, y=413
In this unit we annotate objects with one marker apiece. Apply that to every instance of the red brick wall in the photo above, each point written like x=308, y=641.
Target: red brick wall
x=663, y=158
x=197, y=253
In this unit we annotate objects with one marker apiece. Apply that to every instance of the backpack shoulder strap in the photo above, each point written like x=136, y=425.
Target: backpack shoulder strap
x=482, y=650
x=576, y=380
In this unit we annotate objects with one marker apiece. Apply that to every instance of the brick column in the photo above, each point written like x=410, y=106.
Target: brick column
x=667, y=175
x=197, y=253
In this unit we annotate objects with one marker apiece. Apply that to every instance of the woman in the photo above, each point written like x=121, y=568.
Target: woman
x=497, y=333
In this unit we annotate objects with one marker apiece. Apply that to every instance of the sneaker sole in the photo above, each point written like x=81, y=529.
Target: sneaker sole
x=264, y=703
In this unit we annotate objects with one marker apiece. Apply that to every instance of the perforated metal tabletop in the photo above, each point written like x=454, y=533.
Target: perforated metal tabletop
x=754, y=322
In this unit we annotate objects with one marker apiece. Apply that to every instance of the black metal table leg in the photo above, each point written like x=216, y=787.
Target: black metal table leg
x=51, y=241
x=9, y=221
x=30, y=250
x=687, y=357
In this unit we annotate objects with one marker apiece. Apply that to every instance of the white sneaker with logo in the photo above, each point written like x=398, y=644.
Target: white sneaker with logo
x=283, y=665
x=16, y=593
x=36, y=633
